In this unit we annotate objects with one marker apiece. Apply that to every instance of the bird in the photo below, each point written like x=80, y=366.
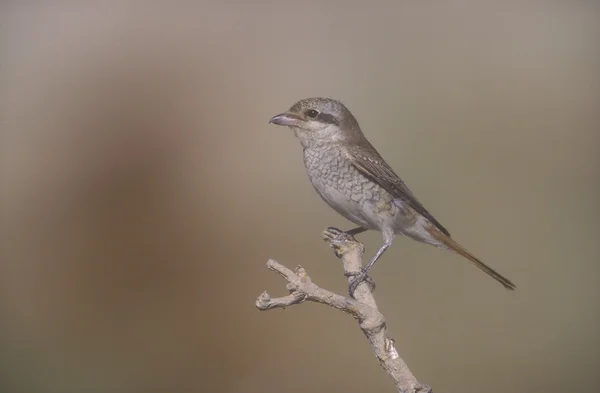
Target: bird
x=351, y=177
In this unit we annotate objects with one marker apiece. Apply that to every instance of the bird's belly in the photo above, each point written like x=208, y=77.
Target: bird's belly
x=351, y=194
x=369, y=207
x=348, y=208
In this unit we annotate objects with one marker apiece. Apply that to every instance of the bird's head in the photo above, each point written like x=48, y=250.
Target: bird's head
x=320, y=120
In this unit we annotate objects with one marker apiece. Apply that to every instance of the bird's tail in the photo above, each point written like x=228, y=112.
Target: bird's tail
x=453, y=246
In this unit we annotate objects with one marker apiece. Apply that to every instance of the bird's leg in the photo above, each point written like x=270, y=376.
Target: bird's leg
x=351, y=232
x=356, y=231
x=363, y=275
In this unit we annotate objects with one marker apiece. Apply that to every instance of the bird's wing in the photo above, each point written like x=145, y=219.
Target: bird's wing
x=368, y=161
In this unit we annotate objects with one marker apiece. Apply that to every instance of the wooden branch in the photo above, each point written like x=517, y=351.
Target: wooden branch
x=362, y=307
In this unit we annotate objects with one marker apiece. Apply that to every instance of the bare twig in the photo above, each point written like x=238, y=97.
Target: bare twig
x=362, y=307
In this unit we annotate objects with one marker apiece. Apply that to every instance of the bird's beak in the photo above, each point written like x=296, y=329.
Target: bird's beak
x=285, y=119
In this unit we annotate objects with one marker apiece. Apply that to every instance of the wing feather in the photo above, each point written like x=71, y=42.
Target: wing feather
x=368, y=161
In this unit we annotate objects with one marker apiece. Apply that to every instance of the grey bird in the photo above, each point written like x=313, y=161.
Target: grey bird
x=350, y=175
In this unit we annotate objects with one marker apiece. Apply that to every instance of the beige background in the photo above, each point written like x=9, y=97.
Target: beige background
x=142, y=192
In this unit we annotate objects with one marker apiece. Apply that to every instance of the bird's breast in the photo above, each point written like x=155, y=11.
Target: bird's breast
x=346, y=190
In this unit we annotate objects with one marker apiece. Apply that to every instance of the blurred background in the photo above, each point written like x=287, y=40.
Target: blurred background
x=142, y=192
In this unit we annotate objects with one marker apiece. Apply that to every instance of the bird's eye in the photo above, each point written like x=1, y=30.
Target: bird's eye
x=312, y=113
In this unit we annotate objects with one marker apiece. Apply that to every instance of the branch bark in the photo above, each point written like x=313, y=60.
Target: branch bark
x=363, y=307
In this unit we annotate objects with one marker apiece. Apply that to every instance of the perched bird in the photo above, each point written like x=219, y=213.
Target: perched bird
x=350, y=175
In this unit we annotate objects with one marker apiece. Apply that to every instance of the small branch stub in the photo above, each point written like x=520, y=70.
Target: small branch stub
x=363, y=307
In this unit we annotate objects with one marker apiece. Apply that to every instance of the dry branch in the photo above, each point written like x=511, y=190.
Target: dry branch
x=362, y=307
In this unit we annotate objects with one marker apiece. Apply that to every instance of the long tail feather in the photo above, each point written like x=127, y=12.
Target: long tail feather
x=457, y=248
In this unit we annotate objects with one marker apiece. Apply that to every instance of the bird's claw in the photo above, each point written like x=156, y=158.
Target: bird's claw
x=336, y=235
x=337, y=239
x=358, y=278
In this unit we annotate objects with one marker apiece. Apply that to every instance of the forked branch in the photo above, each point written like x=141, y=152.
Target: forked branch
x=362, y=307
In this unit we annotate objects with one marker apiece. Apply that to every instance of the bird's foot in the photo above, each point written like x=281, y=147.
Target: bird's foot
x=337, y=239
x=337, y=235
x=358, y=278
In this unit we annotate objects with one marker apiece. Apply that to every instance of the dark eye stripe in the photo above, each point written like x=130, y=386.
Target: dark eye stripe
x=329, y=119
